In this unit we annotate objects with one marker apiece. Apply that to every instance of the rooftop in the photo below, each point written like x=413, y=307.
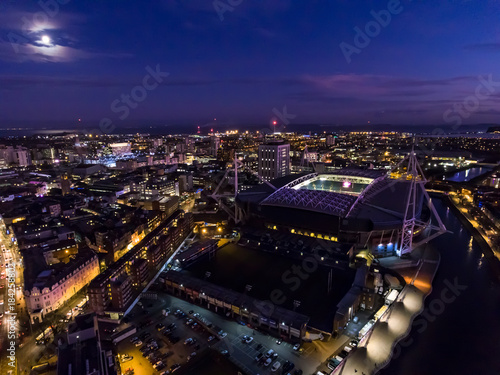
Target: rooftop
x=234, y=267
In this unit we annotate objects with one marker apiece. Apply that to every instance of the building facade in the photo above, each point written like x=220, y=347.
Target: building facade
x=51, y=290
x=274, y=160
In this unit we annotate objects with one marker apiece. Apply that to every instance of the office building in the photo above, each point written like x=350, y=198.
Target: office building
x=274, y=160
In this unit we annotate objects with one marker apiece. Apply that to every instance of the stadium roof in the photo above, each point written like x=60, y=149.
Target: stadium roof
x=329, y=202
x=314, y=200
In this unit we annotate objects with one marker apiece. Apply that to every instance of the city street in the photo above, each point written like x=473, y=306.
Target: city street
x=480, y=223
x=9, y=255
x=27, y=352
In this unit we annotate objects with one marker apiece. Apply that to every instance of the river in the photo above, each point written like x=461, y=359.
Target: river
x=460, y=337
x=468, y=174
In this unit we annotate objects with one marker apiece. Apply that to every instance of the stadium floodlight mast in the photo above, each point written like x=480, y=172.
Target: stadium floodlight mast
x=415, y=175
x=236, y=214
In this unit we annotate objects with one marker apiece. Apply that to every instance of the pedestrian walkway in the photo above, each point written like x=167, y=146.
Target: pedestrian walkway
x=376, y=348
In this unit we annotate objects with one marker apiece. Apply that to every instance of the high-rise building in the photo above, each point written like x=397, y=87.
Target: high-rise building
x=274, y=160
x=214, y=145
x=65, y=185
x=19, y=155
x=330, y=140
x=121, y=292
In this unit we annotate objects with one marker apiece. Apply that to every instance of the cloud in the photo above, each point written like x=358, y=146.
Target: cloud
x=31, y=22
x=373, y=86
x=23, y=30
x=16, y=52
x=22, y=82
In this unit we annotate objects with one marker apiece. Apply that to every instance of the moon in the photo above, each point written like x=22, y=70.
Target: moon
x=45, y=39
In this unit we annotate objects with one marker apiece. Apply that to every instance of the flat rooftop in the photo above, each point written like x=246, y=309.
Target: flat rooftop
x=235, y=266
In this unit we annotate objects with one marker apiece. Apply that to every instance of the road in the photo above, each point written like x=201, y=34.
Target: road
x=13, y=312
x=27, y=352
x=480, y=223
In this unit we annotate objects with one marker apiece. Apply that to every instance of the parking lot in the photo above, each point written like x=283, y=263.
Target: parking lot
x=171, y=348
x=309, y=359
x=253, y=356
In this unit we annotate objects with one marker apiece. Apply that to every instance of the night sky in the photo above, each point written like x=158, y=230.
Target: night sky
x=74, y=60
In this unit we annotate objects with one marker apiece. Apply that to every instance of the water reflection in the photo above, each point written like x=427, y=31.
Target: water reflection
x=463, y=340
x=468, y=174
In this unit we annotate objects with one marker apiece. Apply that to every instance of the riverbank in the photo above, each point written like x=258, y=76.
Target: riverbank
x=486, y=249
x=376, y=349
x=454, y=334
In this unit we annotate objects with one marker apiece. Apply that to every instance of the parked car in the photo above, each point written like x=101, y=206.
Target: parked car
x=157, y=364
x=276, y=366
x=222, y=334
x=174, y=367
x=161, y=366
x=247, y=339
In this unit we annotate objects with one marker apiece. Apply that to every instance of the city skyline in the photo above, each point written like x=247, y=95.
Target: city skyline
x=400, y=62
x=233, y=187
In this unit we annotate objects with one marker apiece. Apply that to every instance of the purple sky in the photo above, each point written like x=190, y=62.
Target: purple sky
x=418, y=68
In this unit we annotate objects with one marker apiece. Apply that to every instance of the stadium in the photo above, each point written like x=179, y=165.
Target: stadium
x=362, y=207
